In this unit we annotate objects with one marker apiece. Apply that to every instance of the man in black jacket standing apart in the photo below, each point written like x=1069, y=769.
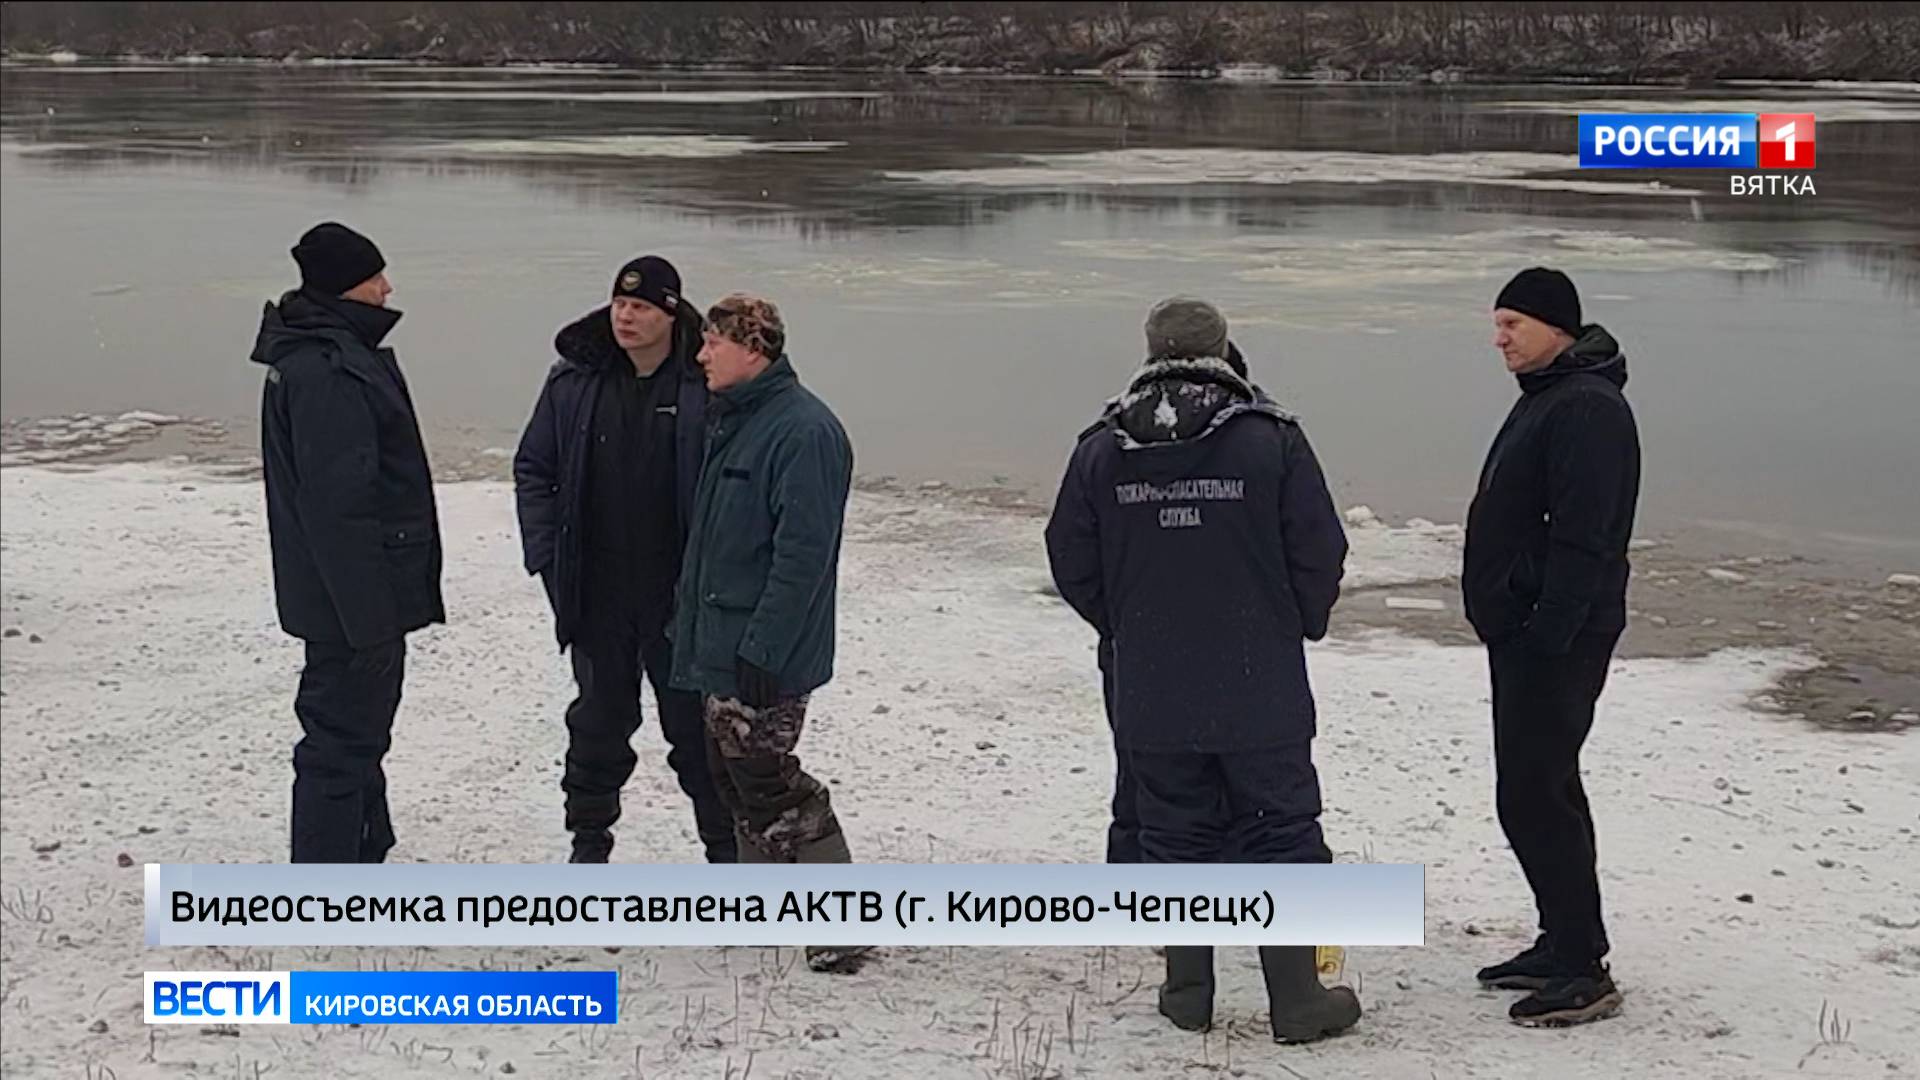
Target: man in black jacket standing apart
x=1195, y=532
x=356, y=539
x=605, y=478
x=1545, y=584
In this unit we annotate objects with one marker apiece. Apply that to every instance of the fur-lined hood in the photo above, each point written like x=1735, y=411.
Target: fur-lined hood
x=1174, y=400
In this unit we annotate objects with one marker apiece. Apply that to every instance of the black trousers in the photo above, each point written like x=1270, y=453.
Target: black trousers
x=345, y=704
x=1259, y=806
x=1542, y=710
x=609, y=657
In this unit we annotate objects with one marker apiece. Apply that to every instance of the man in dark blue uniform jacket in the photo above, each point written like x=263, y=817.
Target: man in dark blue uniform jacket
x=1195, y=532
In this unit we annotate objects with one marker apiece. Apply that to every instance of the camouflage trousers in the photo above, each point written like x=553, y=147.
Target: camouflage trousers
x=776, y=806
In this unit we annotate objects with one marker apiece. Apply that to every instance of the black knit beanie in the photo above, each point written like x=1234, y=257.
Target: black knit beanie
x=1547, y=295
x=334, y=258
x=650, y=278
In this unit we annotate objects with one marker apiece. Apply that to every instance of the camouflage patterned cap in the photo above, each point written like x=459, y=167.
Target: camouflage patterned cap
x=750, y=321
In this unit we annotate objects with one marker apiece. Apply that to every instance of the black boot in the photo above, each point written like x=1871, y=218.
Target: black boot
x=1569, y=999
x=594, y=846
x=1529, y=970
x=1186, y=998
x=590, y=818
x=1304, y=1010
x=722, y=845
x=837, y=959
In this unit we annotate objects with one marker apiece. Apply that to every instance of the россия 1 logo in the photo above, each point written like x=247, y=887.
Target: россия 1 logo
x=1705, y=141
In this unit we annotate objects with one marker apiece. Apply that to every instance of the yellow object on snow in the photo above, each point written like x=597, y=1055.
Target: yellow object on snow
x=1330, y=959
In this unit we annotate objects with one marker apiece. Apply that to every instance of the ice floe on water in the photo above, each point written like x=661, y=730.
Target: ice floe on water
x=1319, y=262
x=1252, y=73
x=1230, y=165
x=1293, y=280
x=979, y=280
x=18, y=147
x=656, y=97
x=1825, y=109
x=1865, y=86
x=635, y=146
x=84, y=436
x=74, y=67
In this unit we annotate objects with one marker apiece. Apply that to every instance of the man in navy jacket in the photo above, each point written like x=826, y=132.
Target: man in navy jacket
x=605, y=477
x=1195, y=532
x=355, y=534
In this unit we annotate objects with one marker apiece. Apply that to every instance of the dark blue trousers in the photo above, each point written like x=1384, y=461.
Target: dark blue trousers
x=1260, y=806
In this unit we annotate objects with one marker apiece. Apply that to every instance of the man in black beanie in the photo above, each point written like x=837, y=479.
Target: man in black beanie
x=605, y=478
x=1545, y=584
x=355, y=534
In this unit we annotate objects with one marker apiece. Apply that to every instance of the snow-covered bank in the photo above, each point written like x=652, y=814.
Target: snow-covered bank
x=1755, y=869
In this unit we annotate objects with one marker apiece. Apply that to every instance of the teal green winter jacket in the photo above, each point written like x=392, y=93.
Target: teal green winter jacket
x=763, y=554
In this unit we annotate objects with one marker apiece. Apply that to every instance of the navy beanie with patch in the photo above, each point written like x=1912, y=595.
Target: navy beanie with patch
x=650, y=278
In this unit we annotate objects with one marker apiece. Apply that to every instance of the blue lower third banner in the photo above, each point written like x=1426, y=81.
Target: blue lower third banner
x=418, y=904
x=382, y=997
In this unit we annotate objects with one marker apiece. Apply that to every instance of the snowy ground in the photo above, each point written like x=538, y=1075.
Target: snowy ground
x=1757, y=870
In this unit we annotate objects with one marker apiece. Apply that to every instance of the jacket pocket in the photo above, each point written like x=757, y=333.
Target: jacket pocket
x=733, y=596
x=718, y=631
x=413, y=572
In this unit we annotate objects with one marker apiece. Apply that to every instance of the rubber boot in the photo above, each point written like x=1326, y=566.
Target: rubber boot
x=748, y=851
x=1303, y=1010
x=1186, y=998
x=837, y=959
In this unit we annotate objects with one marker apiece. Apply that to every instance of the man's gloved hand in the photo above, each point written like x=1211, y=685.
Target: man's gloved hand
x=759, y=687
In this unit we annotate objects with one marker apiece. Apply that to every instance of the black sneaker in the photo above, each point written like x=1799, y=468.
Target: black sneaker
x=1530, y=970
x=1569, y=1000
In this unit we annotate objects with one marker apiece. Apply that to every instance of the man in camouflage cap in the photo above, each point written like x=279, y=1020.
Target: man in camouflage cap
x=754, y=618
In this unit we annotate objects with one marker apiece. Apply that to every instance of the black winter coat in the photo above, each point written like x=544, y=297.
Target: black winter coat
x=1195, y=532
x=1548, y=530
x=550, y=467
x=350, y=508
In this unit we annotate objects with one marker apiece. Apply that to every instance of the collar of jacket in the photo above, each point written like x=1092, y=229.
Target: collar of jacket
x=369, y=324
x=1594, y=352
x=778, y=378
x=587, y=343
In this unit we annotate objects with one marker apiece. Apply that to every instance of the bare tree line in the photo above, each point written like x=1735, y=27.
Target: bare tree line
x=1600, y=40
